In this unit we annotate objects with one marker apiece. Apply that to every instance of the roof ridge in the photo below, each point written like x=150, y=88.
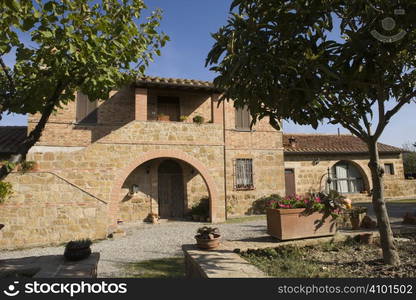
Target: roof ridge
x=317, y=134
x=173, y=78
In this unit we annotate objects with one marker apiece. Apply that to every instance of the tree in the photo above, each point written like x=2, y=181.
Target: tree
x=343, y=62
x=69, y=45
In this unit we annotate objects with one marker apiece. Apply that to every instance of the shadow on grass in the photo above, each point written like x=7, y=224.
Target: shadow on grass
x=172, y=267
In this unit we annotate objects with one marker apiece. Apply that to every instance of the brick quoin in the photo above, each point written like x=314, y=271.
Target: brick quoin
x=168, y=153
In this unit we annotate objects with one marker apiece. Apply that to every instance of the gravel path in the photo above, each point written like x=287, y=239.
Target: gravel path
x=146, y=241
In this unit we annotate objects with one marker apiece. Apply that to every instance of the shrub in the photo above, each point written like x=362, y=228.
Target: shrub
x=201, y=208
x=6, y=190
x=198, y=119
x=77, y=250
x=259, y=206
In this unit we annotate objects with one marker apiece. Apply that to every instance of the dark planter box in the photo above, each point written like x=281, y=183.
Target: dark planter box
x=289, y=224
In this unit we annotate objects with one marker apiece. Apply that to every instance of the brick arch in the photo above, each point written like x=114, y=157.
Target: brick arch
x=174, y=154
x=366, y=181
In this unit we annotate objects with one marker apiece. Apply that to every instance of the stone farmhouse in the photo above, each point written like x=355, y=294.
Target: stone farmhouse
x=160, y=146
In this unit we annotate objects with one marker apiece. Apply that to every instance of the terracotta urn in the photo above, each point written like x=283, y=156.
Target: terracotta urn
x=208, y=244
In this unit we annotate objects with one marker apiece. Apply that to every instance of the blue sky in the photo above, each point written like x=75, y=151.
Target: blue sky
x=189, y=24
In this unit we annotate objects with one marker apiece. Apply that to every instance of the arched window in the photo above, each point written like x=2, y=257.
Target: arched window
x=346, y=178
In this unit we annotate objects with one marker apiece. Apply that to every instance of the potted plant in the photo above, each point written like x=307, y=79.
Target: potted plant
x=78, y=250
x=356, y=215
x=163, y=117
x=296, y=217
x=27, y=165
x=198, y=119
x=183, y=118
x=208, y=238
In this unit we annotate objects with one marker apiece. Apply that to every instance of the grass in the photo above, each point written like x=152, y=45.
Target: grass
x=349, y=258
x=172, y=267
x=288, y=262
x=245, y=219
x=402, y=201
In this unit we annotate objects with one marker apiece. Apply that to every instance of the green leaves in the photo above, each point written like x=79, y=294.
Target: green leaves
x=93, y=46
x=13, y=4
x=287, y=60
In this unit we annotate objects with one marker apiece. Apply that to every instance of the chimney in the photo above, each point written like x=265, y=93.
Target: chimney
x=292, y=142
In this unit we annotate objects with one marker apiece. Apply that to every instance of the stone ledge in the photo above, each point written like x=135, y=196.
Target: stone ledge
x=217, y=264
x=49, y=266
x=225, y=263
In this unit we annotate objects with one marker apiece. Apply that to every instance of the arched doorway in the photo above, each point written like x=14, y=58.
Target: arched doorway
x=171, y=196
x=118, y=193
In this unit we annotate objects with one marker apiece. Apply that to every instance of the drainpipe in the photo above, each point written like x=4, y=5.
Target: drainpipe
x=225, y=161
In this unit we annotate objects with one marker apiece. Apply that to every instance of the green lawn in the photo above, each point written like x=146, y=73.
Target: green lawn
x=245, y=219
x=172, y=267
x=403, y=201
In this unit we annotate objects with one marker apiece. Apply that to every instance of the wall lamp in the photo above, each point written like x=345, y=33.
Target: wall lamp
x=316, y=161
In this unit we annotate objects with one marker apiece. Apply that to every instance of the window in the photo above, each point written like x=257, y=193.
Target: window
x=86, y=110
x=168, y=106
x=242, y=118
x=346, y=178
x=243, y=175
x=389, y=169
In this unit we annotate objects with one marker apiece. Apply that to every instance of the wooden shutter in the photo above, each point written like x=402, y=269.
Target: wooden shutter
x=86, y=110
x=242, y=118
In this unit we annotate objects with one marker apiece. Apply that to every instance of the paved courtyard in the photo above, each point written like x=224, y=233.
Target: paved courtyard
x=146, y=241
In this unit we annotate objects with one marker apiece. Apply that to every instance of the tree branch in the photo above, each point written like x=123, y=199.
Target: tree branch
x=6, y=72
x=36, y=133
x=382, y=123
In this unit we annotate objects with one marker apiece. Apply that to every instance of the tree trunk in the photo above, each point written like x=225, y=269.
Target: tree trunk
x=30, y=140
x=390, y=254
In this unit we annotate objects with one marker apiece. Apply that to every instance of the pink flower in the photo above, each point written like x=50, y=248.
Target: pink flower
x=317, y=199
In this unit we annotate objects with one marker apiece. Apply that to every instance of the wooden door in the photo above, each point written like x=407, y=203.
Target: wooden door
x=170, y=190
x=290, y=182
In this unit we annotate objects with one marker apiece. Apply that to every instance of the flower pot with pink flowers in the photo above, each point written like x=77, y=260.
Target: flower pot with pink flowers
x=296, y=217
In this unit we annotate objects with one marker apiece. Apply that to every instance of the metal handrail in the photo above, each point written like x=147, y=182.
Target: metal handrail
x=70, y=183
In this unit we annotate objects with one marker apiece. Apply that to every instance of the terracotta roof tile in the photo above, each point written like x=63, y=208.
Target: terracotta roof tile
x=322, y=143
x=11, y=137
x=150, y=81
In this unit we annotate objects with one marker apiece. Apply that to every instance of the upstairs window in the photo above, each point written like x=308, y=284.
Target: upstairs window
x=86, y=110
x=389, y=169
x=168, y=106
x=242, y=119
x=243, y=174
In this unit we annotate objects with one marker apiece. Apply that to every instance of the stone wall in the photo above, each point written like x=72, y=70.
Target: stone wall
x=312, y=177
x=47, y=210
x=124, y=148
x=263, y=144
x=400, y=189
